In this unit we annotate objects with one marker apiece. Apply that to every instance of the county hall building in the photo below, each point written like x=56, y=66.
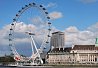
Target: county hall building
x=83, y=54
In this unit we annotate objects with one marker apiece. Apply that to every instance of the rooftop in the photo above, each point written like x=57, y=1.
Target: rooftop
x=68, y=49
x=85, y=47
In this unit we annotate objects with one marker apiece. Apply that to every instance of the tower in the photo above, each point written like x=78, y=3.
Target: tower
x=57, y=40
x=96, y=42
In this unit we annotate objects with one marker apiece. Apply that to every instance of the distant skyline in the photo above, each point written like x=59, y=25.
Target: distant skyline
x=78, y=19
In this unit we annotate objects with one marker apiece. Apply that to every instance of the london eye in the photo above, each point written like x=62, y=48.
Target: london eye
x=31, y=25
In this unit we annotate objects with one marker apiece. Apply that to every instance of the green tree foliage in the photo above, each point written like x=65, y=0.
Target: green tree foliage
x=7, y=59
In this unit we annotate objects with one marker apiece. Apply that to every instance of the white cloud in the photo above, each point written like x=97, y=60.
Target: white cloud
x=38, y=21
x=51, y=5
x=72, y=29
x=20, y=37
x=55, y=15
x=88, y=1
x=22, y=27
x=4, y=35
x=4, y=43
x=22, y=40
x=93, y=27
x=85, y=35
x=74, y=36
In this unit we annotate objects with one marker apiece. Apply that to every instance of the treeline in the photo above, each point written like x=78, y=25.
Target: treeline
x=6, y=59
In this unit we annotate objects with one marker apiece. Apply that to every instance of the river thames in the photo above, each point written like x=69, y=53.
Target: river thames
x=49, y=67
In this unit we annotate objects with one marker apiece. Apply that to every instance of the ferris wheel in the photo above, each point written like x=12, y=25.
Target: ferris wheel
x=31, y=26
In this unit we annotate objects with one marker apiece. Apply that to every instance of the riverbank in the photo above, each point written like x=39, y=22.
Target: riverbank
x=58, y=65
x=71, y=65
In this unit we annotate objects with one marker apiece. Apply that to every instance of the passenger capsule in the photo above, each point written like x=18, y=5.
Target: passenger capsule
x=48, y=17
x=41, y=6
x=12, y=24
x=34, y=4
x=46, y=12
x=44, y=9
x=49, y=23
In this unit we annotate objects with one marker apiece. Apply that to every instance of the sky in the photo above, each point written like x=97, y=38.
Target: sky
x=77, y=18
x=79, y=13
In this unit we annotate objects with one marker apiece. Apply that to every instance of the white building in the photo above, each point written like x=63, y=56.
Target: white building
x=77, y=54
x=59, y=56
x=84, y=54
x=57, y=40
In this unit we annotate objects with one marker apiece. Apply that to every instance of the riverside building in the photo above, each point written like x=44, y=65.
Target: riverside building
x=58, y=54
x=82, y=54
x=57, y=40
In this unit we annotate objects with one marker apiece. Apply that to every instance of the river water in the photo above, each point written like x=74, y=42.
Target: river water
x=48, y=67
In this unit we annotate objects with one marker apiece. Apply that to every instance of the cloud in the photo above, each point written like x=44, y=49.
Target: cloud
x=85, y=35
x=20, y=36
x=88, y=1
x=51, y=5
x=4, y=35
x=74, y=36
x=22, y=27
x=72, y=29
x=93, y=27
x=4, y=43
x=37, y=21
x=55, y=15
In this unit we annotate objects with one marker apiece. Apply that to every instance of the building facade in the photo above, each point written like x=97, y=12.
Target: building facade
x=59, y=56
x=84, y=54
x=77, y=54
x=57, y=40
